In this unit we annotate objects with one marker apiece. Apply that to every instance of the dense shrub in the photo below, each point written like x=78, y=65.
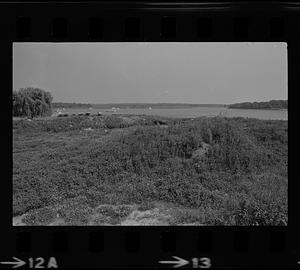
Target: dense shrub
x=115, y=122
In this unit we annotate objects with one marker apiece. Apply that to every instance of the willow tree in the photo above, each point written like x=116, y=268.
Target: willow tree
x=32, y=102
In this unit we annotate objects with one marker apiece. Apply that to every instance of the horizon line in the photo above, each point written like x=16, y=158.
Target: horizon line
x=185, y=103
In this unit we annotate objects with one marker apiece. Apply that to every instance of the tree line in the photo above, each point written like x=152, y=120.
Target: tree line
x=31, y=102
x=70, y=105
x=272, y=104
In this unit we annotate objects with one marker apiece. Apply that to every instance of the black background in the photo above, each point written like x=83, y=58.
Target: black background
x=143, y=247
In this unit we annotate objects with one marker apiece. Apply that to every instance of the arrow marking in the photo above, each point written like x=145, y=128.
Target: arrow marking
x=178, y=263
x=16, y=263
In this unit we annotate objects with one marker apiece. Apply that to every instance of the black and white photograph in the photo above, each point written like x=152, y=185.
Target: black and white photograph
x=150, y=134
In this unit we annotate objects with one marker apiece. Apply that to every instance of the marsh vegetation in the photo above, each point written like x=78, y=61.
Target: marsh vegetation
x=205, y=171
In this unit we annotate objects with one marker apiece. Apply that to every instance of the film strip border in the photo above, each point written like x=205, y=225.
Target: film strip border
x=133, y=27
x=168, y=28
x=145, y=247
x=276, y=241
x=150, y=22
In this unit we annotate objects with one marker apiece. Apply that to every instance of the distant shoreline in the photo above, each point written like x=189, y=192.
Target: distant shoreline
x=134, y=105
x=264, y=105
x=157, y=106
x=269, y=105
x=255, y=109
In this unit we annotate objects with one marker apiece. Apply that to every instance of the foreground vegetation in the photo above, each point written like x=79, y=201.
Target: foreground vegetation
x=210, y=171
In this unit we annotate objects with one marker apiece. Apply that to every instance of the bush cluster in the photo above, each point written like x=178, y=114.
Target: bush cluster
x=77, y=123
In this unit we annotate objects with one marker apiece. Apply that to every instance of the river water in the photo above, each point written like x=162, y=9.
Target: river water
x=191, y=112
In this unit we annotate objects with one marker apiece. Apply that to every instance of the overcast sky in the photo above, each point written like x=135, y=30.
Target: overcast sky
x=153, y=72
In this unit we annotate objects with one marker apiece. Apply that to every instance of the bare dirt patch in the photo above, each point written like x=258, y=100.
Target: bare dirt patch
x=17, y=220
x=149, y=217
x=146, y=214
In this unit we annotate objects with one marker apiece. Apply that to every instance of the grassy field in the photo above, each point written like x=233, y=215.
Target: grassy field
x=145, y=170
